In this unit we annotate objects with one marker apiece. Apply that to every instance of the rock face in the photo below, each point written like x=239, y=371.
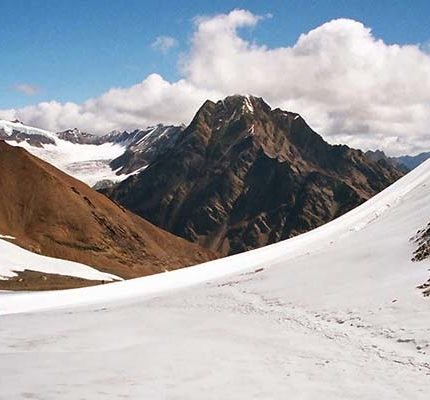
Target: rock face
x=53, y=214
x=422, y=240
x=76, y=136
x=243, y=175
x=144, y=146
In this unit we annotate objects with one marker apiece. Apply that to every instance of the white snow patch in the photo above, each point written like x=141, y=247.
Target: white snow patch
x=248, y=104
x=9, y=127
x=86, y=162
x=14, y=259
x=7, y=237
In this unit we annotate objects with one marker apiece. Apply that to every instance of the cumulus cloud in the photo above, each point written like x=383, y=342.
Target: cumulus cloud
x=349, y=85
x=152, y=101
x=164, y=43
x=29, y=90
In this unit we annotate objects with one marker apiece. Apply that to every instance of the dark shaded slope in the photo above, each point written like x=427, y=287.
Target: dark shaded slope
x=242, y=176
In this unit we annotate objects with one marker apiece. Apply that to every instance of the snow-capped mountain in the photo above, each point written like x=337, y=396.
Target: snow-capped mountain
x=334, y=314
x=144, y=146
x=92, y=158
x=243, y=175
x=16, y=131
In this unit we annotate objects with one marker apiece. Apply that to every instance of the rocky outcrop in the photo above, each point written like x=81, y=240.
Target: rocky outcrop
x=144, y=146
x=243, y=175
x=422, y=240
x=16, y=135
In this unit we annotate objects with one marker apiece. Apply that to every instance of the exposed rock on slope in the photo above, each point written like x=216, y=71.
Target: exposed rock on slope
x=243, y=175
x=53, y=214
x=422, y=239
x=144, y=146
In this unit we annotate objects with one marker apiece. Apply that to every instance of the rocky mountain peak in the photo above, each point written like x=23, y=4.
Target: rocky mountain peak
x=242, y=175
x=75, y=135
x=250, y=121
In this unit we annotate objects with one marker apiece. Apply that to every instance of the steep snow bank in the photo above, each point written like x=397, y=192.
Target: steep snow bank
x=333, y=314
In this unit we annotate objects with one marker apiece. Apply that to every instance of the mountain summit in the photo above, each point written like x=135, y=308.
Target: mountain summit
x=243, y=175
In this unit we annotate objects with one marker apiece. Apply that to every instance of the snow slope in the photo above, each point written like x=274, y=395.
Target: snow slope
x=10, y=126
x=14, y=259
x=88, y=159
x=331, y=314
x=87, y=162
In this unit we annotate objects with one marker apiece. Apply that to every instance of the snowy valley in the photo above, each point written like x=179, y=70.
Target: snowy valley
x=334, y=313
x=92, y=159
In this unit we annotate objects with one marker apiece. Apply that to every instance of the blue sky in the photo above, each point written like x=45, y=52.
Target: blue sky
x=74, y=50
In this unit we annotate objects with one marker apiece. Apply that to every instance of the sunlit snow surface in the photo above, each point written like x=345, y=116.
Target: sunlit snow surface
x=331, y=314
x=10, y=126
x=87, y=162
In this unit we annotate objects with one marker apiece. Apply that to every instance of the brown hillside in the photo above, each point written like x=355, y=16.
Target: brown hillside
x=56, y=215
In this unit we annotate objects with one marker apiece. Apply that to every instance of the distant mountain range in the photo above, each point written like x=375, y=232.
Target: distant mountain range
x=406, y=163
x=102, y=160
x=240, y=176
x=96, y=160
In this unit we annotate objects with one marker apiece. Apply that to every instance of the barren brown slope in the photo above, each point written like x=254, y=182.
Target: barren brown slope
x=56, y=215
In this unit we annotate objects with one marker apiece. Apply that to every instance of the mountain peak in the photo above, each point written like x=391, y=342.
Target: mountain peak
x=246, y=176
x=77, y=136
x=244, y=103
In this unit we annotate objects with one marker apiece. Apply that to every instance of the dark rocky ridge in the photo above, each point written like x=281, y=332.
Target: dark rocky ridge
x=144, y=146
x=32, y=139
x=243, y=175
x=412, y=162
x=405, y=163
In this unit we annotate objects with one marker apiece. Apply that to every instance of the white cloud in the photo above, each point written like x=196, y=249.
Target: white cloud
x=149, y=102
x=29, y=90
x=164, y=43
x=350, y=86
